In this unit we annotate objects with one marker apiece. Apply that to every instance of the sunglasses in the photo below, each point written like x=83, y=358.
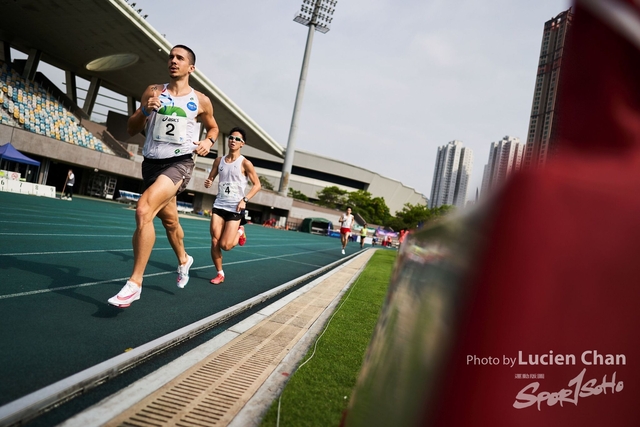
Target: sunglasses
x=235, y=138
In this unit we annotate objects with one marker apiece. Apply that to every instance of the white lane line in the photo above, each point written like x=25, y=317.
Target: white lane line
x=82, y=285
x=62, y=288
x=189, y=248
x=64, y=235
x=70, y=216
x=91, y=251
x=290, y=260
x=66, y=224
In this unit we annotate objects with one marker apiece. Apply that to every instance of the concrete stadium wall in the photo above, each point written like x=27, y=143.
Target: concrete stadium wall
x=32, y=143
x=395, y=194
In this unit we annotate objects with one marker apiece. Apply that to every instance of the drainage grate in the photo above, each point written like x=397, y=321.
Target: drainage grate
x=212, y=392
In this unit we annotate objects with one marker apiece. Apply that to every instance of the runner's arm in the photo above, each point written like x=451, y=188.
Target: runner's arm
x=213, y=174
x=210, y=124
x=251, y=174
x=148, y=103
x=250, y=171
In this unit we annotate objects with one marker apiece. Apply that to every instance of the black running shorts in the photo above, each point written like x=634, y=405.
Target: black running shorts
x=228, y=215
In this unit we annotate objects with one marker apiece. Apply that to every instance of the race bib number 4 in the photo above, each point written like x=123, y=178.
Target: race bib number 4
x=170, y=129
x=229, y=191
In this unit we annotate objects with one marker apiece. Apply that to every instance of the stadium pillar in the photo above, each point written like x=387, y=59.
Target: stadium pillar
x=72, y=89
x=44, y=171
x=131, y=105
x=222, y=148
x=92, y=95
x=6, y=52
x=32, y=64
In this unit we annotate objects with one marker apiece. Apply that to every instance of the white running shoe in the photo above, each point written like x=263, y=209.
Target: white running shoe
x=343, y=252
x=129, y=293
x=183, y=272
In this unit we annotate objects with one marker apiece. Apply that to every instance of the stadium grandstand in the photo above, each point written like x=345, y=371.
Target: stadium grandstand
x=36, y=110
x=60, y=129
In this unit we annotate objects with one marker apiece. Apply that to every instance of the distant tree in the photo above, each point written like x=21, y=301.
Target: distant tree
x=332, y=197
x=373, y=209
x=298, y=195
x=381, y=213
x=412, y=215
x=265, y=183
x=442, y=211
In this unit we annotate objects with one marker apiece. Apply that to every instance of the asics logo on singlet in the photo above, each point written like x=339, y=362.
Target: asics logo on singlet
x=170, y=119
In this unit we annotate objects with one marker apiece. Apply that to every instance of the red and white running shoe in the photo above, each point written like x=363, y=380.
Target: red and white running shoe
x=129, y=293
x=218, y=279
x=243, y=236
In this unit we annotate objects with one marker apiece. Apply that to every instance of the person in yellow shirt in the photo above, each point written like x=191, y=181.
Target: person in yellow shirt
x=363, y=234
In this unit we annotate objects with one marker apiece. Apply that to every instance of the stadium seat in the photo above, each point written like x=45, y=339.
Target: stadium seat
x=31, y=107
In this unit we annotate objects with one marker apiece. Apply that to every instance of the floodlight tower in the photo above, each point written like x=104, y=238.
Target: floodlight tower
x=317, y=15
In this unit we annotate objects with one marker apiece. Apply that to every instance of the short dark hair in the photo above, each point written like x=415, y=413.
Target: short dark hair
x=192, y=55
x=240, y=131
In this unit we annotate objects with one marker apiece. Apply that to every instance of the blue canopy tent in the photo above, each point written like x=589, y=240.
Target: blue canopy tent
x=9, y=154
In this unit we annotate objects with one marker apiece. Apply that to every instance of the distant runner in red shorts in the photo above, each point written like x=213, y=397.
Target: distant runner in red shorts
x=346, y=221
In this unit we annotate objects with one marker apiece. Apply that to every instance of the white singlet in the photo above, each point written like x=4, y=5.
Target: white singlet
x=231, y=185
x=348, y=219
x=172, y=130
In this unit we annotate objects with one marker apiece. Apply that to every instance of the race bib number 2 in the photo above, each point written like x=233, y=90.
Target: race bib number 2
x=170, y=129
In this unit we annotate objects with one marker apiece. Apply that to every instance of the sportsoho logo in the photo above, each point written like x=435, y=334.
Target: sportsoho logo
x=577, y=387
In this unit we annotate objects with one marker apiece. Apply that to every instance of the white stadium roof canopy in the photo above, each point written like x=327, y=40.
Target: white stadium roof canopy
x=70, y=34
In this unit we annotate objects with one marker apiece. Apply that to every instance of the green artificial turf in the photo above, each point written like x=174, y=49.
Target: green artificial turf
x=319, y=391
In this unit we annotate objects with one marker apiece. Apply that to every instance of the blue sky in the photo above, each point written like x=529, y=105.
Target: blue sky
x=389, y=83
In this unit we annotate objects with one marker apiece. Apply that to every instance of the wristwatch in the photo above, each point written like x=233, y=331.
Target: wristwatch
x=245, y=200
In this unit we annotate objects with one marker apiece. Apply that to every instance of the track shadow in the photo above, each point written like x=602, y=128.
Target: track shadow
x=162, y=266
x=64, y=276
x=61, y=277
x=127, y=259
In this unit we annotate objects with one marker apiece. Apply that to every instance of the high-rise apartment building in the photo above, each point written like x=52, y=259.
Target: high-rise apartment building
x=451, y=175
x=543, y=125
x=505, y=157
